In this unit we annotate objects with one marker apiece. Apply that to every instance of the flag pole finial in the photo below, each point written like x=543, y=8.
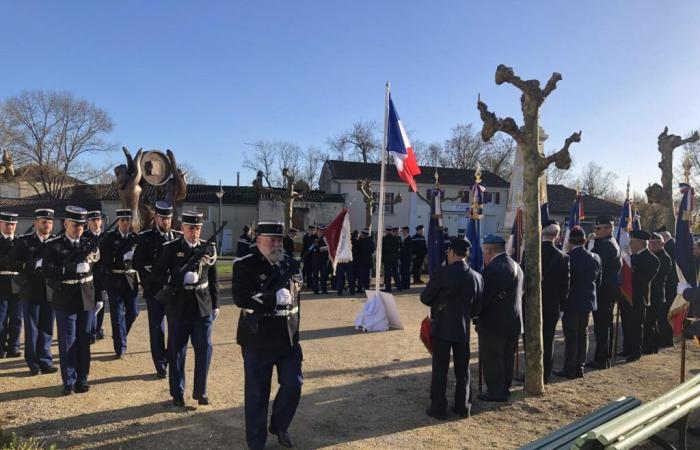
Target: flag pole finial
x=627, y=192
x=687, y=165
x=477, y=173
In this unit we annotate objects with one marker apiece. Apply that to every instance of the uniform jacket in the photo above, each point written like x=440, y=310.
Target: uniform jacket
x=29, y=249
x=420, y=246
x=391, y=248
x=191, y=301
x=9, y=280
x=288, y=244
x=406, y=250
x=672, y=278
x=149, y=246
x=72, y=292
x=365, y=251
x=586, y=274
x=307, y=241
x=118, y=274
x=99, y=275
x=644, y=268
x=658, y=284
x=555, y=279
x=500, y=312
x=259, y=326
x=243, y=245
x=452, y=292
x=611, y=259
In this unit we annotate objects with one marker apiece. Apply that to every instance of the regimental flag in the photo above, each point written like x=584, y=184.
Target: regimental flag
x=399, y=147
x=436, y=244
x=337, y=237
x=544, y=202
x=623, y=239
x=575, y=216
x=685, y=266
x=517, y=234
x=476, y=258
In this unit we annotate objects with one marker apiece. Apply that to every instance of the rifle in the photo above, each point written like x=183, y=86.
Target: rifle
x=92, y=245
x=167, y=293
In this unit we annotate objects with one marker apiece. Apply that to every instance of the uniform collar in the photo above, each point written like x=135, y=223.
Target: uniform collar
x=8, y=236
x=123, y=236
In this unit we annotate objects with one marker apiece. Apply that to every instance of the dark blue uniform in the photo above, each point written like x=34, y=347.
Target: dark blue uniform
x=406, y=258
x=243, y=246
x=364, y=261
x=269, y=337
x=391, y=251
x=38, y=312
x=555, y=291
x=665, y=331
x=644, y=268
x=121, y=283
x=655, y=313
x=319, y=264
x=451, y=294
x=73, y=301
x=148, y=249
x=608, y=293
x=96, y=322
x=10, y=306
x=586, y=274
x=190, y=314
x=307, y=242
x=420, y=249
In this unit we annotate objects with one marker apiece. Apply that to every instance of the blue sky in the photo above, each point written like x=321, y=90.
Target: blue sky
x=203, y=78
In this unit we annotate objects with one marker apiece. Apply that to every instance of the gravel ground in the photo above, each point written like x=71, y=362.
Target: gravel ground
x=362, y=390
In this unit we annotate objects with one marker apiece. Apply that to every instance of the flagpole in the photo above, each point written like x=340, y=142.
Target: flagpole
x=380, y=213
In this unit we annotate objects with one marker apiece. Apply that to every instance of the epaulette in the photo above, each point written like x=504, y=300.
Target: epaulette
x=202, y=241
x=235, y=260
x=145, y=231
x=170, y=242
x=51, y=239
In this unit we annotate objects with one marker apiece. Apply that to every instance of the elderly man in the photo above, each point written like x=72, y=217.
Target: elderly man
x=452, y=293
x=500, y=318
x=555, y=290
x=665, y=331
x=268, y=333
x=655, y=312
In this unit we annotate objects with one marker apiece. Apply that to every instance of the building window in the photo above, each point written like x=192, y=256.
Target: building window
x=388, y=202
x=497, y=198
x=492, y=197
x=465, y=196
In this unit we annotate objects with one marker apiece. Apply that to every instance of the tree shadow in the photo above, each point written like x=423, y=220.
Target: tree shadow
x=323, y=333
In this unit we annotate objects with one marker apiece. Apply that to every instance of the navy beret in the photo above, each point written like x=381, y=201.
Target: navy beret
x=603, y=220
x=494, y=239
x=640, y=234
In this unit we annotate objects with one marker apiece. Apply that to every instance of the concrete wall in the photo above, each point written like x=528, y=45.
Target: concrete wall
x=305, y=213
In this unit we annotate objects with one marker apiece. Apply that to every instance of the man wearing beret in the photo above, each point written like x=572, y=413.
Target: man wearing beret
x=27, y=257
x=608, y=292
x=266, y=285
x=452, y=293
x=665, y=331
x=10, y=306
x=585, y=276
x=500, y=318
x=655, y=313
x=644, y=268
x=307, y=242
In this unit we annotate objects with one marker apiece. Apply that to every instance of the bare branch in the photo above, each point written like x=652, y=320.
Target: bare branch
x=492, y=124
x=551, y=84
x=562, y=158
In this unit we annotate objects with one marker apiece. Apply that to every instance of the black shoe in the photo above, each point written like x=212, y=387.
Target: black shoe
x=283, y=438
x=82, y=388
x=352, y=292
x=339, y=293
x=201, y=399
x=486, y=397
x=600, y=365
x=579, y=373
x=564, y=374
x=463, y=413
x=34, y=372
x=623, y=354
x=50, y=369
x=179, y=401
x=119, y=356
x=325, y=292
x=436, y=415
x=161, y=374
x=100, y=336
x=2, y=355
x=13, y=354
x=93, y=340
x=316, y=293
x=67, y=390
x=633, y=358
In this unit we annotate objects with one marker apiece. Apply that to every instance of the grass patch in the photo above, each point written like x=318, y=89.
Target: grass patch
x=10, y=441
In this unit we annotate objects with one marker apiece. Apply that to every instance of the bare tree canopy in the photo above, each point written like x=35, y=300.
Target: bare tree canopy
x=562, y=177
x=595, y=181
x=272, y=157
x=192, y=175
x=52, y=133
x=464, y=148
x=498, y=156
x=360, y=143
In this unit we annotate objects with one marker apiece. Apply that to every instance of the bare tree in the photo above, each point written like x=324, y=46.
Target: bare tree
x=360, y=143
x=311, y=165
x=464, y=148
x=498, y=156
x=191, y=174
x=597, y=182
x=562, y=177
x=288, y=157
x=50, y=134
x=262, y=160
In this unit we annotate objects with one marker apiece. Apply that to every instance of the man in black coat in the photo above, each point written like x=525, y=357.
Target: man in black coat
x=420, y=249
x=608, y=293
x=364, y=259
x=319, y=262
x=306, y=242
x=585, y=276
x=555, y=290
x=288, y=242
x=245, y=240
x=268, y=333
x=27, y=257
x=644, y=268
x=655, y=314
x=93, y=231
x=665, y=331
x=391, y=251
x=451, y=294
x=10, y=305
x=500, y=318
x=406, y=257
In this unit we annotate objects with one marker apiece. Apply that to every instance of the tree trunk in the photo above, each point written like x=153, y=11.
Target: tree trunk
x=666, y=166
x=288, y=212
x=368, y=213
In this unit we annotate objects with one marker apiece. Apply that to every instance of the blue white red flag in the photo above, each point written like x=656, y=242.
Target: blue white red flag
x=685, y=265
x=436, y=241
x=623, y=238
x=575, y=216
x=400, y=148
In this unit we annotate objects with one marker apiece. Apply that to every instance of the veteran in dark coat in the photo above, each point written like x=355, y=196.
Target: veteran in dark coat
x=189, y=266
x=665, y=331
x=68, y=264
x=655, y=313
x=420, y=249
x=27, y=257
x=245, y=240
x=391, y=252
x=585, y=277
x=452, y=293
x=10, y=305
x=500, y=318
x=606, y=247
x=266, y=285
x=365, y=252
x=406, y=258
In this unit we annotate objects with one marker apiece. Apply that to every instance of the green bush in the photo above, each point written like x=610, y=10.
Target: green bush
x=10, y=441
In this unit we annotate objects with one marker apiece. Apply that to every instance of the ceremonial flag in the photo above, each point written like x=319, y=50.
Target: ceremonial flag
x=337, y=237
x=400, y=148
x=623, y=239
x=515, y=243
x=685, y=266
x=436, y=245
x=575, y=216
x=476, y=258
x=544, y=201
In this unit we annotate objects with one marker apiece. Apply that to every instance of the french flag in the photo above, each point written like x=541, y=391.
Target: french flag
x=398, y=145
x=623, y=238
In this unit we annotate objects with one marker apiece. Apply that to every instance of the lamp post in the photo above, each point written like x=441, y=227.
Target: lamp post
x=220, y=195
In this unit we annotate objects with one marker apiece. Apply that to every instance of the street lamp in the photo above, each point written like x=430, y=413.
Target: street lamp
x=220, y=195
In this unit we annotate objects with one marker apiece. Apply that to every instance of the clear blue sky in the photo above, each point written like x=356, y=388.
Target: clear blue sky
x=203, y=78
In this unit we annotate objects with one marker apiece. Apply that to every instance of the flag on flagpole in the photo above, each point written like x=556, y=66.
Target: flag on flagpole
x=400, y=148
x=476, y=258
x=685, y=266
x=575, y=216
x=435, y=238
x=337, y=237
x=514, y=247
x=623, y=239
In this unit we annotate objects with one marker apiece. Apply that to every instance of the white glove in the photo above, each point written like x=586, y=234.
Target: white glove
x=38, y=263
x=284, y=297
x=128, y=256
x=216, y=313
x=98, y=307
x=682, y=287
x=83, y=267
x=191, y=278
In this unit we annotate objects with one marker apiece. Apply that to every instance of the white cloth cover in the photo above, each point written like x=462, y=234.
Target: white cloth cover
x=83, y=267
x=379, y=313
x=284, y=297
x=191, y=278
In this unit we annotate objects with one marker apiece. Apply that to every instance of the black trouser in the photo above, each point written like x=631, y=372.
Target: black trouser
x=438, y=382
x=497, y=360
x=632, y=327
x=405, y=274
x=319, y=275
x=391, y=270
x=603, y=322
x=650, y=342
x=416, y=267
x=665, y=330
x=575, y=341
x=549, y=326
